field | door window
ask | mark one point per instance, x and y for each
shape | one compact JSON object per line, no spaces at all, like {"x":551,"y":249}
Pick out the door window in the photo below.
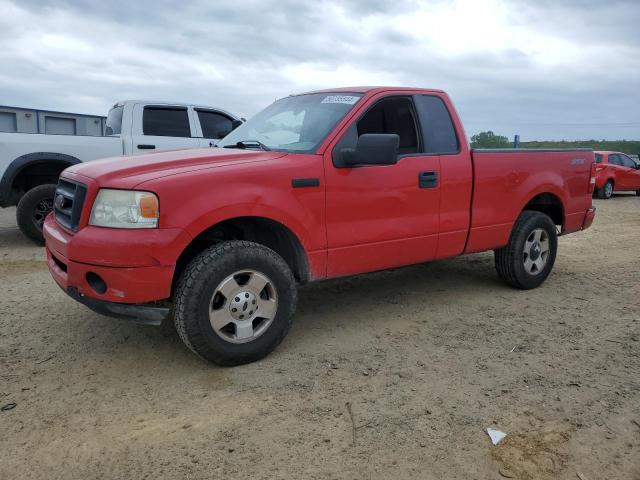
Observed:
{"x":166,"y":122}
{"x":626,"y":161}
{"x":438,"y":132}
{"x":214,"y":124}
{"x":393,"y":115}
{"x":614,"y":160}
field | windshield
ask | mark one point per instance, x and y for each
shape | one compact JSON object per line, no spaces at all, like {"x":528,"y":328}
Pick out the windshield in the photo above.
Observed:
{"x":293,"y":124}
{"x":113,"y":124}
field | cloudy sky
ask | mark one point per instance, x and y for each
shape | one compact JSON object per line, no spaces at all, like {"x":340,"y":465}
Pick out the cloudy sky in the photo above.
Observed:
{"x":546,"y":69}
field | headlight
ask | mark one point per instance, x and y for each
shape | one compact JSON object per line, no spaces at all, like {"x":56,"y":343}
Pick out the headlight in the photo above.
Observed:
{"x":125,"y":209}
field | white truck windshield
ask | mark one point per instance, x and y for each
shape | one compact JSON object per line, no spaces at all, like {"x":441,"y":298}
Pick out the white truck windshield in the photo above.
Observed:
{"x":113,"y":125}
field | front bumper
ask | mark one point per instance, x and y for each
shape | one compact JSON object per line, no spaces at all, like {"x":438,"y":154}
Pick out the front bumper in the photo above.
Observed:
{"x":115,"y":272}
{"x":144,"y":314}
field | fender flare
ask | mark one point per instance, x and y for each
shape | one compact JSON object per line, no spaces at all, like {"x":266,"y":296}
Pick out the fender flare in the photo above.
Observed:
{"x":301,"y":246}
{"x":17,"y":165}
{"x":558,"y":194}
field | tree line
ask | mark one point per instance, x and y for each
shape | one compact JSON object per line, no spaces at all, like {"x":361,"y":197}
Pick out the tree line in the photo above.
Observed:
{"x":492,"y":140}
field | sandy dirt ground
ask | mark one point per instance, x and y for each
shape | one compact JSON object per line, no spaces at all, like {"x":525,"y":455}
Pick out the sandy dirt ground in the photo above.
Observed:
{"x":391,"y":375}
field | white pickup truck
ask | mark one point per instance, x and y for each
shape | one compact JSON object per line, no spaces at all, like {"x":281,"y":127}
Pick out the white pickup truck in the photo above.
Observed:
{"x":30,"y":164}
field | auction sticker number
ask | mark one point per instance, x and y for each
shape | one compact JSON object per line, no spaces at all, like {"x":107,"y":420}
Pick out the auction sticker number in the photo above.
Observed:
{"x":347,"y":99}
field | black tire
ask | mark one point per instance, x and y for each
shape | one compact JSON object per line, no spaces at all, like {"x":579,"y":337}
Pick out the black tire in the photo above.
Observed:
{"x":32,"y":209}
{"x":606,"y":192}
{"x":637,"y":193}
{"x":197,"y":286}
{"x":510,"y":260}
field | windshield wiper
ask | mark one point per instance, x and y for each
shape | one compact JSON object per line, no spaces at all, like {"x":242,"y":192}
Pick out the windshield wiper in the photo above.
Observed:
{"x":248,"y":144}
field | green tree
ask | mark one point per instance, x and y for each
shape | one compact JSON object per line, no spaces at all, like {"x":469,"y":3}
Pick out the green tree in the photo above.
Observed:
{"x":489,"y":140}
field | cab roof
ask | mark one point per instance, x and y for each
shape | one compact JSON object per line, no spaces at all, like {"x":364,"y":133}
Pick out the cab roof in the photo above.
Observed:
{"x":371,"y":89}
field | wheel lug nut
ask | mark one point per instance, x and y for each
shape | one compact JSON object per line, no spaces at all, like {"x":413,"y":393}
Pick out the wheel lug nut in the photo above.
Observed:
{"x":237,"y":299}
{"x":234,"y":309}
{"x":246,"y":295}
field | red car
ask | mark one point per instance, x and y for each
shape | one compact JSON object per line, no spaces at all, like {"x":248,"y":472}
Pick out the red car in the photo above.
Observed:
{"x":315,"y":186}
{"x":616,"y":172}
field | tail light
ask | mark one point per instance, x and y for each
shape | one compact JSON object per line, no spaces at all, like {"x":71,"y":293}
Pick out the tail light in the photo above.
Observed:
{"x":592,"y":177}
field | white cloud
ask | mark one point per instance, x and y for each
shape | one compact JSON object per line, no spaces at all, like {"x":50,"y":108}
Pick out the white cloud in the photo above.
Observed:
{"x":537,"y":68}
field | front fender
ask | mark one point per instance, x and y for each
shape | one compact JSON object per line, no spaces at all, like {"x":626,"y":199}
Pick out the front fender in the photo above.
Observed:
{"x":196,"y":201}
{"x":269,"y":212}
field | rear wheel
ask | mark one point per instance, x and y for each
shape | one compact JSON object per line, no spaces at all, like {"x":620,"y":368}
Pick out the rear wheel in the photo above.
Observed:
{"x":606,"y":192}
{"x":529,"y":256}
{"x":637,"y":193}
{"x":33,"y":208}
{"x":234,"y":302}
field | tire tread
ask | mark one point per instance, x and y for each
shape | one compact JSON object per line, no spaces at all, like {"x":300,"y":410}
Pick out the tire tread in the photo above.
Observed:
{"x":23,"y":211}
{"x":508,"y":258}
{"x":184,"y":316}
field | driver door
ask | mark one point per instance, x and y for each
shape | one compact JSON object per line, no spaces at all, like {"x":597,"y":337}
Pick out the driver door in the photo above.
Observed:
{"x":381,"y":216}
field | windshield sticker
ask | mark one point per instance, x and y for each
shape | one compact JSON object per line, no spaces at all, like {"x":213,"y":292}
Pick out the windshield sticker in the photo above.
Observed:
{"x":347,"y":99}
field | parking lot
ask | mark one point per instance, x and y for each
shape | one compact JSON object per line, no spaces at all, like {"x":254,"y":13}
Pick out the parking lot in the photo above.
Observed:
{"x":397,"y":373}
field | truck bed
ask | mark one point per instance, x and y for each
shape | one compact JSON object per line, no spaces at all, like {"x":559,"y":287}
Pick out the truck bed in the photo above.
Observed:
{"x":86,"y":147}
{"x":506,"y":180}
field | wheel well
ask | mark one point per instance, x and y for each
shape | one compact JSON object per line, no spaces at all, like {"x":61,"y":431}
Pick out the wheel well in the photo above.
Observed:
{"x":36,"y":173}
{"x":548,"y":204}
{"x":264,"y":231}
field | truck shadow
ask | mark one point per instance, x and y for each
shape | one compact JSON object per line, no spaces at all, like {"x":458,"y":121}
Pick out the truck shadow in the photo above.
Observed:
{"x":320,"y":306}
{"x":11,"y":236}
{"x":407,"y":287}
{"x":617,"y":195}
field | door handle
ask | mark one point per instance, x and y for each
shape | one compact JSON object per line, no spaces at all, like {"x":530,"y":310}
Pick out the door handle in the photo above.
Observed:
{"x":146,"y":147}
{"x":428,"y":179}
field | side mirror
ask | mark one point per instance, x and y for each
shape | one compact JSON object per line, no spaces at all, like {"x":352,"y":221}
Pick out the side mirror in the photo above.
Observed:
{"x":373,"y":149}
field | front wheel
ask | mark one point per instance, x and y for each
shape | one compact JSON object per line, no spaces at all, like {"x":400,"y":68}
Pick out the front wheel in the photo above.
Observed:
{"x":33,"y":208}
{"x":529,"y":256}
{"x":234,"y":302}
{"x":637,"y":193}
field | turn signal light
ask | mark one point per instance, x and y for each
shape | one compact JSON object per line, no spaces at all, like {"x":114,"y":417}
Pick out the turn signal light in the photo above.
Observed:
{"x":149,"y":207}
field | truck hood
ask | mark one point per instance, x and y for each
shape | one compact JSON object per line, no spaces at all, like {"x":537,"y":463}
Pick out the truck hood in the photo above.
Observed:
{"x":129,"y":171}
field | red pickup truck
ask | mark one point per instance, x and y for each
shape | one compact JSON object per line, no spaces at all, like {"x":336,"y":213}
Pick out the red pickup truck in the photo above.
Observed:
{"x":319,"y":185}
